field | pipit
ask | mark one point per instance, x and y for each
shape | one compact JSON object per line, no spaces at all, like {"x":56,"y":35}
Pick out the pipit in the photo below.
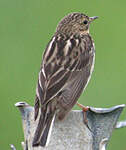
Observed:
{"x":66,"y":69}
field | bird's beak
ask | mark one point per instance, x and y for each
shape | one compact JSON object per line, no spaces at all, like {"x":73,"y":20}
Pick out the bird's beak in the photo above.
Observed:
{"x":92,"y":18}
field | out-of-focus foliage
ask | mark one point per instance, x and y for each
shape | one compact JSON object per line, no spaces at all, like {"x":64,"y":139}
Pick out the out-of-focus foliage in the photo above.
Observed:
{"x":25,"y":29}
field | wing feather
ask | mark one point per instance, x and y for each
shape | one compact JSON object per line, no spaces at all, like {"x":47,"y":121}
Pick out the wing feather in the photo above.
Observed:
{"x":58,"y":64}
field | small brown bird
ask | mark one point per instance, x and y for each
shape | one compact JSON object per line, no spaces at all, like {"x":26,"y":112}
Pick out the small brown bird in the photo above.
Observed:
{"x":66,"y":68}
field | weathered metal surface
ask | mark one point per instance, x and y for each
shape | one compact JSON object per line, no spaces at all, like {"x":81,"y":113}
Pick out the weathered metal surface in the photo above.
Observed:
{"x":72,"y":133}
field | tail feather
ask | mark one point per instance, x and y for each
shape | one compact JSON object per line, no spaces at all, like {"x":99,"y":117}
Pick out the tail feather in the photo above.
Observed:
{"x":36,"y":107}
{"x":38,"y":132}
{"x":44,"y":140}
{"x":43,"y":131}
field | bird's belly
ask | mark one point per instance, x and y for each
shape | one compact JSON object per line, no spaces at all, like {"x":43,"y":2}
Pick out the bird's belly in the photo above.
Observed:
{"x":91,"y":70}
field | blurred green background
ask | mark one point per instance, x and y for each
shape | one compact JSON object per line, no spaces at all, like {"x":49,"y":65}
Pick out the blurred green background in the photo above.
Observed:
{"x":25,"y":29}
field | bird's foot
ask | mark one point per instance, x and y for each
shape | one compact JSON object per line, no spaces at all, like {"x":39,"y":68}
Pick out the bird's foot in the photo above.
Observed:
{"x":85,"y":109}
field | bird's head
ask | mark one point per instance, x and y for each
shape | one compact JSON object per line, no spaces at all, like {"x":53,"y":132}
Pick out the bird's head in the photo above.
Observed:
{"x":75,"y":23}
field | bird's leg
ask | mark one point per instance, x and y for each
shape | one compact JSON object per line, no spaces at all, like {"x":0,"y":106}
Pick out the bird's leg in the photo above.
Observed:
{"x":85,"y":109}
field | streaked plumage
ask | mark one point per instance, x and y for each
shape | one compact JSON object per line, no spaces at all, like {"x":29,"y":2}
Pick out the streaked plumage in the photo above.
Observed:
{"x":66,"y":68}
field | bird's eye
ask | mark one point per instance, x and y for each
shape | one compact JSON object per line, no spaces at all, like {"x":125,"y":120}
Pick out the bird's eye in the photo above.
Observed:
{"x":85,"y":22}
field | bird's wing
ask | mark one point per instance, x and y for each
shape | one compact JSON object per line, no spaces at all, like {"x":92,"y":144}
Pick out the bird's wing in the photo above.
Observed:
{"x":62,"y":57}
{"x":79,"y":78}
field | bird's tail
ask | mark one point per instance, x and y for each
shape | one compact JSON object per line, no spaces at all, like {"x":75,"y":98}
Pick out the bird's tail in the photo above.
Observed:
{"x":43,"y":131}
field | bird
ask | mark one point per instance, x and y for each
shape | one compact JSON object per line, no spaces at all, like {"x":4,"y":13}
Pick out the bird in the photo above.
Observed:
{"x":66,"y":68}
